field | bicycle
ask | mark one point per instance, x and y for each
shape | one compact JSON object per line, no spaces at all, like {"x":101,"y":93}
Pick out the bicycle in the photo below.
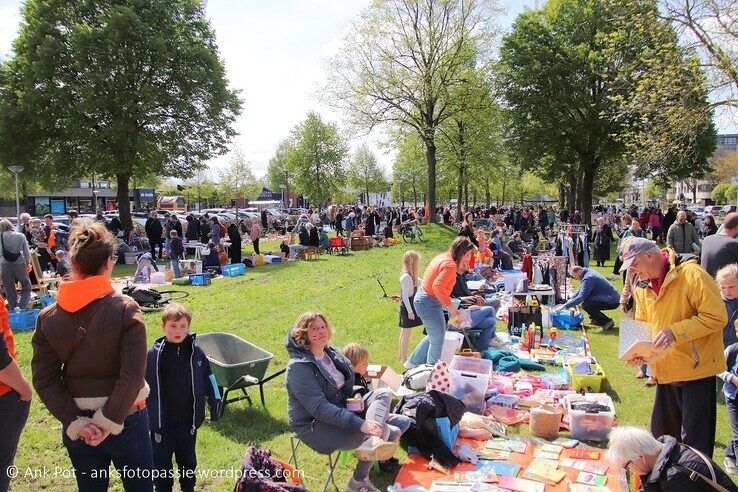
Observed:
{"x":410,"y":232}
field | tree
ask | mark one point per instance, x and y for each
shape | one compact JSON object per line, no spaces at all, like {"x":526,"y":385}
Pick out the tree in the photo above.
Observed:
{"x":711,"y":26}
{"x":400,"y":61}
{"x":280,"y":172}
{"x":365,"y":174}
{"x":125,"y":88}
{"x":318,"y":159}
{"x":238,"y":180}
{"x":409,"y":178}
{"x":576,"y":77}
{"x":725,"y":167}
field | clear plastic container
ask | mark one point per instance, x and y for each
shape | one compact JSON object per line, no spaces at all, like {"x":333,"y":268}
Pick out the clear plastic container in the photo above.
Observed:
{"x":452,"y":342}
{"x":590,"y":426}
{"x":469,"y":380}
{"x":470,"y":364}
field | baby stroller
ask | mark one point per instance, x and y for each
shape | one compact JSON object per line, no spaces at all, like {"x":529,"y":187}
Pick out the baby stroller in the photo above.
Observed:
{"x":338,"y":245}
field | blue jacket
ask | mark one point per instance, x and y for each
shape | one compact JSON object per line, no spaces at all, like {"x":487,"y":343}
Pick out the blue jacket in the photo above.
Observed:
{"x":312,"y":394}
{"x":594,"y":287}
{"x":204,"y":385}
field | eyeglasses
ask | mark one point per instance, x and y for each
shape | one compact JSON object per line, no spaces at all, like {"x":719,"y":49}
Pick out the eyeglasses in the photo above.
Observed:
{"x":114,"y":258}
{"x":627,"y":464}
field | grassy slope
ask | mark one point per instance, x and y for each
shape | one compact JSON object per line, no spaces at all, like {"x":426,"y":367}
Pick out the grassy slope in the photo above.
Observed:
{"x":259,"y":307}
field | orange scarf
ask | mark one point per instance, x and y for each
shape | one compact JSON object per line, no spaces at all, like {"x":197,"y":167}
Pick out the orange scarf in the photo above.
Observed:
{"x":76,"y":294}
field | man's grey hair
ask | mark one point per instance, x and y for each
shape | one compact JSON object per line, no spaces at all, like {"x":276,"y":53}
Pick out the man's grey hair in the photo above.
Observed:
{"x":25,"y":217}
{"x":627,"y":443}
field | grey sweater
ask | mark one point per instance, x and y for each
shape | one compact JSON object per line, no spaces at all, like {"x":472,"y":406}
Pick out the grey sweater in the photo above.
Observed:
{"x":15,"y":242}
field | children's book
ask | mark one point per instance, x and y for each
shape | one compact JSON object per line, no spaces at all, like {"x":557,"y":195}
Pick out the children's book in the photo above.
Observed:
{"x":507,"y":445}
{"x":486,"y":476}
{"x":591,"y":479}
{"x":539,"y":453}
{"x":446,"y":486}
{"x":501,"y":468}
{"x":566,"y":443}
{"x":521,"y":485}
{"x":492,"y":454}
{"x":645,"y":351}
{"x":586,"y":466}
{"x":551,"y":448}
{"x":579,"y":487}
{"x":584,"y":454}
{"x":543,"y":471}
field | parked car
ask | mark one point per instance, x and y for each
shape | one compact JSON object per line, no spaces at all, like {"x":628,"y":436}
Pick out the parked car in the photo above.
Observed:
{"x":712,"y":209}
{"x":697,"y":210}
{"x":727,"y":209}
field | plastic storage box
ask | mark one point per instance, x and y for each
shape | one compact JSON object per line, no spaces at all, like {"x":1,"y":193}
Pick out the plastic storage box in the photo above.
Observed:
{"x":24,"y":319}
{"x":452,"y":342}
{"x":233,"y":269}
{"x":593,"y":382}
{"x":589,"y":425}
{"x":469,"y":380}
{"x":199,"y":279}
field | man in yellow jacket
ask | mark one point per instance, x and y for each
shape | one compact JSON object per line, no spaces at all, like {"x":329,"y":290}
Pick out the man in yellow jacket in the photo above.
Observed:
{"x":682,"y":304}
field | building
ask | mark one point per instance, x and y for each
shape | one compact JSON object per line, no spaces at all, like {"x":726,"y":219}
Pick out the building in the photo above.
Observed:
{"x":684,"y":190}
{"x":86,"y":197}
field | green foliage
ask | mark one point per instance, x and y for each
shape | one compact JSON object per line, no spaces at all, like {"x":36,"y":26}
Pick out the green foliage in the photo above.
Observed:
{"x":721,"y":192}
{"x":238,"y":180}
{"x":318,"y":159}
{"x":591,"y":83}
{"x":400,"y":62}
{"x":280,"y":172}
{"x":365,"y":174}
{"x":129,"y":89}
{"x":409,"y":172}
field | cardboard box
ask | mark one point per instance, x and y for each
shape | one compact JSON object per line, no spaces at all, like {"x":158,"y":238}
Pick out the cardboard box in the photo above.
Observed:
{"x":383,"y":377}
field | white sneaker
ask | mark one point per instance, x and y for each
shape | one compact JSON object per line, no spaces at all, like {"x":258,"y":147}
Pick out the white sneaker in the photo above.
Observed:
{"x":361,"y":486}
{"x":375,"y":449}
{"x":408,"y":365}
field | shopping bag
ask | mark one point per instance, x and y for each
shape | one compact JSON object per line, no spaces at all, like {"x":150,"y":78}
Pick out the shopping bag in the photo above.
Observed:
{"x":523,"y":316}
{"x":439,"y":379}
{"x":567,"y":321}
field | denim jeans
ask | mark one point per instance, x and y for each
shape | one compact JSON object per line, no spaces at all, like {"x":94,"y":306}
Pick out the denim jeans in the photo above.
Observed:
{"x":175,"y":267}
{"x":732,"y":448}
{"x":430,"y":311}
{"x":13,"y":416}
{"x":175,"y":438}
{"x":130,"y":452}
{"x":483,"y":319}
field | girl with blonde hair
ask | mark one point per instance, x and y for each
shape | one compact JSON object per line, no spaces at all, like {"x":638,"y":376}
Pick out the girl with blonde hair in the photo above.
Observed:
{"x":408,"y":288}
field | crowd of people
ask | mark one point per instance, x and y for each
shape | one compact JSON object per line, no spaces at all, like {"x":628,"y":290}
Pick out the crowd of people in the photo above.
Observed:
{"x":120,"y":402}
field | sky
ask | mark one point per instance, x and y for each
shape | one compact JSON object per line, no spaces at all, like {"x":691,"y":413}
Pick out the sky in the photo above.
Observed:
{"x":275,"y":52}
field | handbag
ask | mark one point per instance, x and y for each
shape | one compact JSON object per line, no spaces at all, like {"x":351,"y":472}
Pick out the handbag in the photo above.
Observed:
{"x":694,"y":475}
{"x":9,"y":257}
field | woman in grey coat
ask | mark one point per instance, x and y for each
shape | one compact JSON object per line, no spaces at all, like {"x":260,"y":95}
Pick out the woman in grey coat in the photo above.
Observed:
{"x":14,"y":261}
{"x":319,"y":379}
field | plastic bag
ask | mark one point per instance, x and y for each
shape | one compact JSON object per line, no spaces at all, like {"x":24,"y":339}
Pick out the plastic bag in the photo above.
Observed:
{"x":567,"y":321}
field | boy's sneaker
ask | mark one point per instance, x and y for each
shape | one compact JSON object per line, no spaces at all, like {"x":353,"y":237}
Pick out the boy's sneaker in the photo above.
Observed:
{"x":375,"y":449}
{"x":408,"y":365}
{"x":730,"y":466}
{"x":361,"y":486}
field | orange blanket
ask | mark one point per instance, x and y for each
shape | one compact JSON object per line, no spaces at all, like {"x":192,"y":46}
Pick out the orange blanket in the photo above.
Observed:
{"x":415,"y":472}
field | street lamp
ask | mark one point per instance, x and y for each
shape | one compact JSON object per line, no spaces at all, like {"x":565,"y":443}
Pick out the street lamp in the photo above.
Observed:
{"x":16,"y":170}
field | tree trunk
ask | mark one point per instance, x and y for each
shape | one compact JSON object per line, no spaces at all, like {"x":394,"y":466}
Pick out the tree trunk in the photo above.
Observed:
{"x":562,"y":196}
{"x":415,"y":194}
{"x":504,"y":188}
{"x":571,"y":196}
{"x":124,"y":202}
{"x":466,"y":196}
{"x":586,"y":192}
{"x":486,"y":193}
{"x":459,"y":192}
{"x":430,"y":157}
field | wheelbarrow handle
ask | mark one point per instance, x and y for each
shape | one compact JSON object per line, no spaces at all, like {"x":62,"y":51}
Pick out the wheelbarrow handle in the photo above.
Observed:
{"x":251,"y":380}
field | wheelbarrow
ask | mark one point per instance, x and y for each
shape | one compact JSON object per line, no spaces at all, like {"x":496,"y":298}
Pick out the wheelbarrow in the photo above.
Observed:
{"x":237,"y":365}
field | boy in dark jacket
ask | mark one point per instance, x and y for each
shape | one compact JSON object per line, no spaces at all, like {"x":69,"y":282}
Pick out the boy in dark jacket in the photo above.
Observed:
{"x":176,"y":251}
{"x":179,"y":375}
{"x":730,"y":388}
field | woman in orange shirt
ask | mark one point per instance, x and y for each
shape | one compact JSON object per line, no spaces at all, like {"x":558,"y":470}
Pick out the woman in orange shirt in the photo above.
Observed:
{"x":433,"y":296}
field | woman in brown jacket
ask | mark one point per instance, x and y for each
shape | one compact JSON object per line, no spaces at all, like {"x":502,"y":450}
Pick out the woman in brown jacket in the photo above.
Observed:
{"x":89,"y":361}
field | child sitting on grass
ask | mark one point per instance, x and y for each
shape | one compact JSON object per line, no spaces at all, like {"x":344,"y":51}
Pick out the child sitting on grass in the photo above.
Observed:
{"x":730,"y":388}
{"x":359,"y":358}
{"x":180,"y":379}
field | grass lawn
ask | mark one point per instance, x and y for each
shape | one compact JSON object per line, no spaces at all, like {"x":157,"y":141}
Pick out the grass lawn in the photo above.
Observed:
{"x":260,"y":307}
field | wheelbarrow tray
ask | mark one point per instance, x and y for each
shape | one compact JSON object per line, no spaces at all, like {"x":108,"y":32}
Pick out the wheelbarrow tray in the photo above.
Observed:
{"x":236,"y":364}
